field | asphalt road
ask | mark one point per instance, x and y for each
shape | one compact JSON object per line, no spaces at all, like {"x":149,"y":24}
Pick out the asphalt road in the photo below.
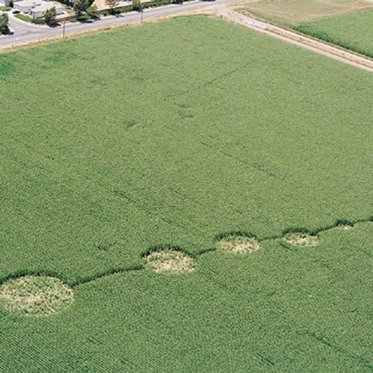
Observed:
{"x":27,"y":32}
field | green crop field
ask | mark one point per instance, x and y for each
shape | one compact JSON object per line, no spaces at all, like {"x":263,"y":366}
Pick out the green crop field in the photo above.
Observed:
{"x":352,"y":31}
{"x":194,"y":147}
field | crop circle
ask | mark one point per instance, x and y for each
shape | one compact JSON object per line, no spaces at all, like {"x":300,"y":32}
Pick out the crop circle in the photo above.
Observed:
{"x":35,"y":295}
{"x":345,"y":225}
{"x":169,"y":261}
{"x":239,"y":244}
{"x":301,"y":239}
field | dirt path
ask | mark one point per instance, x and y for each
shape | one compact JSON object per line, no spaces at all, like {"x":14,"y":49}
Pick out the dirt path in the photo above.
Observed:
{"x":297,"y":39}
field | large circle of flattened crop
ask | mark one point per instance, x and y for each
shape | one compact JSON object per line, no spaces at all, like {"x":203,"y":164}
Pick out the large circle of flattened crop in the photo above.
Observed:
{"x":171,"y":261}
{"x":239,"y":244}
{"x":35,"y":295}
{"x":301,"y":239}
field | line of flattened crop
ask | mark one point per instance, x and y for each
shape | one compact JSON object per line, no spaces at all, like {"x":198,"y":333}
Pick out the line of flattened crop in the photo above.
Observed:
{"x":44,"y":292}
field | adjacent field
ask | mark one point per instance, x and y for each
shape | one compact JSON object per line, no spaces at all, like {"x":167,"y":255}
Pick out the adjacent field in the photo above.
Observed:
{"x":295,"y":11}
{"x":171,"y":136}
{"x":352,"y":31}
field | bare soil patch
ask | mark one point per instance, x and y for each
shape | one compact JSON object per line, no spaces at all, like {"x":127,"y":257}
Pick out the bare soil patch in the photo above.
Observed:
{"x":239,"y":244}
{"x":169,"y":261}
{"x":35,"y":295}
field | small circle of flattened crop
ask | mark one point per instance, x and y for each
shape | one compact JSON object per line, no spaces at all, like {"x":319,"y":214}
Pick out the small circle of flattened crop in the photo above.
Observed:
{"x":35,"y":295}
{"x":301,"y":239}
{"x":345,"y":226}
{"x":238,"y":244}
{"x":171,"y":261}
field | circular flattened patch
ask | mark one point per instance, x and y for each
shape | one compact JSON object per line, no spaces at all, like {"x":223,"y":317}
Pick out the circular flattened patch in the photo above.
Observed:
{"x":345,"y":226}
{"x":35,"y":295}
{"x":169,"y":261}
{"x":301,"y":239}
{"x":239,"y":244}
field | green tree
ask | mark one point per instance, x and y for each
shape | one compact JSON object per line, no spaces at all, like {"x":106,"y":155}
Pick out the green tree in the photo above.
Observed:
{"x":112,"y":4}
{"x":50,"y":16}
{"x":4,"y":24}
{"x":80,"y":6}
{"x":93,"y":12}
{"x":137,"y":5}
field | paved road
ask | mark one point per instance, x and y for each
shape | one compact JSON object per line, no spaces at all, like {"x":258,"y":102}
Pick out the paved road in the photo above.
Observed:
{"x":26,"y":32}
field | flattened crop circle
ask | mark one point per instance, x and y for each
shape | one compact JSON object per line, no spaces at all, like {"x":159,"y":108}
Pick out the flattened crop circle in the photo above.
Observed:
{"x":171,"y":261}
{"x":35,"y":295}
{"x":345,"y":226}
{"x":239,"y":244}
{"x":301,"y":239}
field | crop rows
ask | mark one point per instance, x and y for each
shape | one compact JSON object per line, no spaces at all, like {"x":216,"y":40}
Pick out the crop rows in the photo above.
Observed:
{"x":163,"y":146}
{"x":352,"y":31}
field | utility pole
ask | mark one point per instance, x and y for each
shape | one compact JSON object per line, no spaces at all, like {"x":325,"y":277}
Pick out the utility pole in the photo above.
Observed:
{"x":63,"y":29}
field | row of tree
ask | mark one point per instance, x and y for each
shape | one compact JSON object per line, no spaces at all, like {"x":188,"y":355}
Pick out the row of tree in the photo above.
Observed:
{"x":136,"y":4}
{"x":84,"y":7}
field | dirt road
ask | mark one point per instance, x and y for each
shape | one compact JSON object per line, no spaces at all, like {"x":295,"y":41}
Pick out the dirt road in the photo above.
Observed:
{"x":295,"y":38}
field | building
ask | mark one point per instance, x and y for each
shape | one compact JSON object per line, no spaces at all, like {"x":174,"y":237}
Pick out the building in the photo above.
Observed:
{"x":37,"y":8}
{"x":25,"y":6}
